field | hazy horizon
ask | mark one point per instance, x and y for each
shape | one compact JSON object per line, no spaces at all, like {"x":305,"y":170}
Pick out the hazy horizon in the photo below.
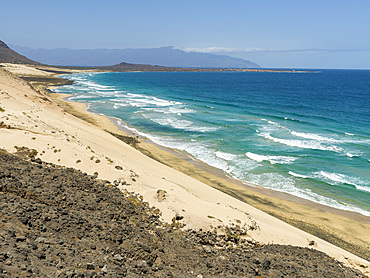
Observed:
{"x":273,"y":34}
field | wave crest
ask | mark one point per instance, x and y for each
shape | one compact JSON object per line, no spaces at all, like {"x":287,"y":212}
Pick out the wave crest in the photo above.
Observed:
{"x":270,"y":158}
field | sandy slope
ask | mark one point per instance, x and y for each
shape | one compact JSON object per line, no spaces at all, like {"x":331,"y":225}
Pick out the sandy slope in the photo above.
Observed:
{"x":32,"y":120}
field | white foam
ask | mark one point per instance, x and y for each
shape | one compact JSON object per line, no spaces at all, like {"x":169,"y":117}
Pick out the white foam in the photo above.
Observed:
{"x":363,"y":188}
{"x":336,"y":178}
{"x":279,"y":183}
{"x":177,"y":123}
{"x":297,"y":175}
{"x":270,"y":158}
{"x":200,"y":151}
{"x":221,"y":160}
{"x":274,"y":181}
{"x":226,"y":156}
{"x":118,"y":105}
{"x":170,"y":110}
{"x":304,"y":144}
{"x":271,"y":127}
{"x":80,"y":97}
{"x":291,"y":119}
{"x":275,"y":124}
{"x":327,"y":139}
{"x":271,"y":122}
{"x":240,"y":167}
{"x":353,"y":154}
{"x":96,"y":86}
{"x":136,"y":95}
{"x":312,"y":136}
{"x":150,"y":102}
{"x":357,"y":141}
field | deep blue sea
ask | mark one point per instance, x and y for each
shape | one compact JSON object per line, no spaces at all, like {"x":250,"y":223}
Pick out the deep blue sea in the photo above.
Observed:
{"x":307,"y":134}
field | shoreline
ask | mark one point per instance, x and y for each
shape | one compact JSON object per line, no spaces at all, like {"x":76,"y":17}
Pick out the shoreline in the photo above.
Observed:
{"x":221,"y":174}
{"x":121,"y":125}
{"x":75,"y":141}
{"x":298,"y":196}
{"x":296,"y":211}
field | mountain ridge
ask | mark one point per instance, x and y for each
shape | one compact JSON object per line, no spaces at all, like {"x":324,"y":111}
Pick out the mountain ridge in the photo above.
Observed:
{"x":163,"y":56}
{"x":8,"y":55}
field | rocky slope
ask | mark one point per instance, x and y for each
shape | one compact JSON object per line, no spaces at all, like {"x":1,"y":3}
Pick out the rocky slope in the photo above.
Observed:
{"x":8,"y":55}
{"x":60,"y":222}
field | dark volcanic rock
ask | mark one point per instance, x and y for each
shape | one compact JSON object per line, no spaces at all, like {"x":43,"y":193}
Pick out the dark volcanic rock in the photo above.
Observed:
{"x":60,"y":222}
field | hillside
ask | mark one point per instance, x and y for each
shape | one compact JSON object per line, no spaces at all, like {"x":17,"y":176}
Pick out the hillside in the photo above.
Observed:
{"x":8,"y":55}
{"x":60,"y":222}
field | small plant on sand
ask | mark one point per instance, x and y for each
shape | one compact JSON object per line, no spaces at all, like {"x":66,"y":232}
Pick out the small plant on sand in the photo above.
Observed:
{"x":212,"y":217}
{"x":32,"y":153}
{"x":1,"y":109}
{"x":157,"y":211}
{"x":130,"y":140}
{"x":134,"y":201}
{"x":3,"y":125}
{"x":24,"y":151}
{"x":176,"y":223}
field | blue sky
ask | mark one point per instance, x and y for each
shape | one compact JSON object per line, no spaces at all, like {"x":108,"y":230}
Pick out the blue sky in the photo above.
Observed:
{"x":272,"y":33}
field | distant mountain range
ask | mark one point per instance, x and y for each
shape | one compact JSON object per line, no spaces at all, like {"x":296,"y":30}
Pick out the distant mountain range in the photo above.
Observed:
{"x":163,"y":56}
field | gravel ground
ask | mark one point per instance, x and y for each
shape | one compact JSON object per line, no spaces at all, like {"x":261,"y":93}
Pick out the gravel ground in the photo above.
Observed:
{"x":60,"y":222}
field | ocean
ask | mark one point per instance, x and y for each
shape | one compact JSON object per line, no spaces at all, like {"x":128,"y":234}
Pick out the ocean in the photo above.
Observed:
{"x":302,"y":133}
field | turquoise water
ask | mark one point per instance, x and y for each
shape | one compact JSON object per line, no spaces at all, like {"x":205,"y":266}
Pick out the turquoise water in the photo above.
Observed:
{"x":307,"y":134}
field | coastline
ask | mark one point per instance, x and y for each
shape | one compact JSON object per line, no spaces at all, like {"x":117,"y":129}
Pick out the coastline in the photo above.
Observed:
{"x":331,"y":227}
{"x":301,"y":213}
{"x":218,"y":173}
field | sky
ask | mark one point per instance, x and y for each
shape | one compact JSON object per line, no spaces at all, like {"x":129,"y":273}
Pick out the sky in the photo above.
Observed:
{"x":271,"y":33}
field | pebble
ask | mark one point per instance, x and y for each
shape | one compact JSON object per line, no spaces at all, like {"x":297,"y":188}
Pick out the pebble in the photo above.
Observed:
{"x":118,"y":257}
{"x":104,"y":269}
{"x":90,"y":266}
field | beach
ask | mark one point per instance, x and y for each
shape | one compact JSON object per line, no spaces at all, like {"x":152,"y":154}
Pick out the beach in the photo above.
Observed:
{"x":174,"y":185}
